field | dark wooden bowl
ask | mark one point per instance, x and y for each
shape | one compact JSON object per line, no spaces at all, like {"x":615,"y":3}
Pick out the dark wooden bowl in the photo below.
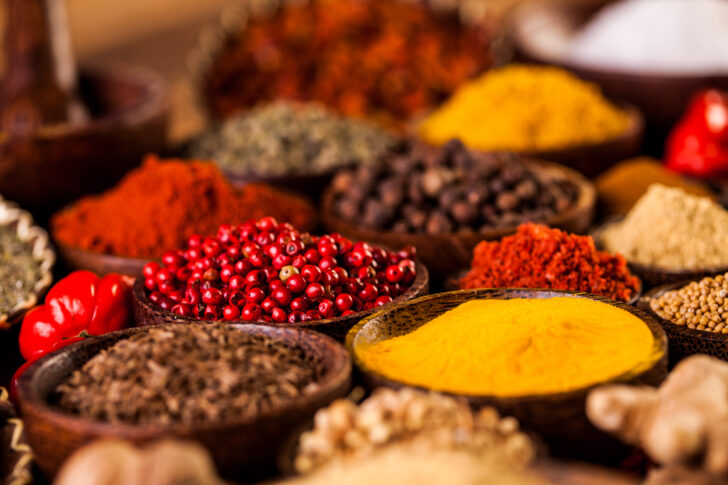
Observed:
{"x":684,"y":341}
{"x":312,"y":185}
{"x":100,"y":263}
{"x":591,"y":160}
{"x":60,"y":163}
{"x":240,"y":448}
{"x":445,"y":253}
{"x":147,"y":313}
{"x":661,"y":97}
{"x":559,"y":419}
{"x":653,"y":276}
{"x":21,"y":222}
{"x":453,"y":284}
{"x":16,"y":457}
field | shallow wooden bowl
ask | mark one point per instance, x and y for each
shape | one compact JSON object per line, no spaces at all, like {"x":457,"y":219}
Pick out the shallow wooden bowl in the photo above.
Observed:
{"x":559,"y":419}
{"x":240,"y":448}
{"x":100,"y":263}
{"x":445,"y":253}
{"x":661,"y":97}
{"x":16,"y":457}
{"x":147,"y":313}
{"x":60,"y":163}
{"x":653,"y":276}
{"x":684,"y":341}
{"x":312,"y":185}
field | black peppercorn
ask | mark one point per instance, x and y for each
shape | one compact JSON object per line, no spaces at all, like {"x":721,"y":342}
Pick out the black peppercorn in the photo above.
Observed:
{"x":423,"y":189}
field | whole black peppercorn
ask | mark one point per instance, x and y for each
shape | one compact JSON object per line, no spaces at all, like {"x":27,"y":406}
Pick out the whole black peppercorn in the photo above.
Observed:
{"x":438,"y":223}
{"x":506,"y":201}
{"x":463,"y":212}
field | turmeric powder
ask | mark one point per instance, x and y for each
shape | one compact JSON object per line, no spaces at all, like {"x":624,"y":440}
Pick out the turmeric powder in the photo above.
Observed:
{"x":515,"y":347}
{"x":526,"y":108}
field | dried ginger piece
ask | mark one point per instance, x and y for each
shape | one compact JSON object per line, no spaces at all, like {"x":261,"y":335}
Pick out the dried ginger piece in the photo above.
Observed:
{"x":684,"y":423}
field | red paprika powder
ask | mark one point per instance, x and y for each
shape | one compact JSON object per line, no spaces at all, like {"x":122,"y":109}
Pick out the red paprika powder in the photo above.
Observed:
{"x":540,"y":257}
{"x":163,"y":202}
{"x":384,"y":59}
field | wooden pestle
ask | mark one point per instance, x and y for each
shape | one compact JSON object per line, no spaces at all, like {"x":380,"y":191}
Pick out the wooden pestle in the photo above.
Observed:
{"x":40,"y":80}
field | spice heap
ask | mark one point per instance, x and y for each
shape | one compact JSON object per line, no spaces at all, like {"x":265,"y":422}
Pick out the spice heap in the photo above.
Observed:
{"x":344,"y":429}
{"x":702,"y":305}
{"x":540,"y":257}
{"x":162,"y":203}
{"x":647,"y":36}
{"x":270,"y":272}
{"x":621,"y":186}
{"x":421,"y":189}
{"x":282,"y":138}
{"x":387,"y":60}
{"x":526,"y":108}
{"x":671,"y":229}
{"x":187,"y":374}
{"x":517,"y":347}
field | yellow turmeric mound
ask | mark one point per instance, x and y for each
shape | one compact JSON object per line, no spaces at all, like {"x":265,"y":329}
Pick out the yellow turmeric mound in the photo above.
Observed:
{"x":526,"y":108}
{"x":515,"y":347}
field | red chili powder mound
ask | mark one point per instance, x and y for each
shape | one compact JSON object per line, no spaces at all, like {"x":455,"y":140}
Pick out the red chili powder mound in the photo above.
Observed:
{"x":540,"y":257}
{"x":160,"y":204}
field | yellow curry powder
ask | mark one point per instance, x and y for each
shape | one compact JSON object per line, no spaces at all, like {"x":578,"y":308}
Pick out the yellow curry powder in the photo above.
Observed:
{"x":515,"y":347}
{"x":526,"y":108}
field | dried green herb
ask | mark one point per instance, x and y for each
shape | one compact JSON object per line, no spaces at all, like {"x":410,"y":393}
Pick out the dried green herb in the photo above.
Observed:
{"x":282,"y":138}
{"x":20,"y":270}
{"x":188,"y":374}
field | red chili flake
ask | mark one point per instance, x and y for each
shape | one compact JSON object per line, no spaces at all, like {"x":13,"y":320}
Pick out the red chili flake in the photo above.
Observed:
{"x":538,"y":256}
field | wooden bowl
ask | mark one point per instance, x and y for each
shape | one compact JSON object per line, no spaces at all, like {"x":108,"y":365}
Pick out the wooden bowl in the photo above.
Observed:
{"x":653,"y":276}
{"x":684,"y":341}
{"x":22,"y":223}
{"x":559,"y":418}
{"x":661,"y":97}
{"x":16,"y":457}
{"x":445,"y":253}
{"x":60,"y":163}
{"x":240,"y":448}
{"x":312,"y":185}
{"x":593,"y":159}
{"x":100,"y":263}
{"x":453,"y":284}
{"x":147,"y":313}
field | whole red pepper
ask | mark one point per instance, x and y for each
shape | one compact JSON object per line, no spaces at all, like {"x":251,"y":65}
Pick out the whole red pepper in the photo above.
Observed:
{"x":78,"y":305}
{"x":698,"y":145}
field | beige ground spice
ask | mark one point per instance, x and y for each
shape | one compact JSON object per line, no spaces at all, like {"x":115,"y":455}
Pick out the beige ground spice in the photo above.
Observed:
{"x":671,"y":229}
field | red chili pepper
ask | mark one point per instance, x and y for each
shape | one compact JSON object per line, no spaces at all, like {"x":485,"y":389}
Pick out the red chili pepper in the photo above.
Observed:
{"x":698,"y":145}
{"x":80,"y":304}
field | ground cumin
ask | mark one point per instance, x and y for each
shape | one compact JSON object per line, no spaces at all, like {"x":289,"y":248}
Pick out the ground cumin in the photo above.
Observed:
{"x":159,"y":205}
{"x":515,"y":347}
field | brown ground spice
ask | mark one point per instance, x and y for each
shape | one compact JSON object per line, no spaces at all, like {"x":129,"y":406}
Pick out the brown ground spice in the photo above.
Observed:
{"x":159,"y":205}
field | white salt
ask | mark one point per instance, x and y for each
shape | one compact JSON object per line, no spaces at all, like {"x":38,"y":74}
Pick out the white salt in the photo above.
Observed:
{"x":656,"y":36}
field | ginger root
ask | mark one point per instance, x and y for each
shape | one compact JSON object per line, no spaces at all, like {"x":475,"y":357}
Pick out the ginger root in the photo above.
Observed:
{"x":683,"y":423}
{"x":116,"y":462}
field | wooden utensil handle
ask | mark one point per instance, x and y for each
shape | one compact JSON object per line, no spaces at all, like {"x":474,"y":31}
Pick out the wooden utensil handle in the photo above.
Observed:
{"x":40,"y":76}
